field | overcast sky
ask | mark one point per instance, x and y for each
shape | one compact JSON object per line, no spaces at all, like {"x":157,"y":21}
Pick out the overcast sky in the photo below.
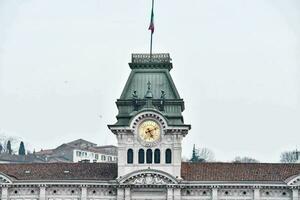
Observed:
{"x":63,"y":64}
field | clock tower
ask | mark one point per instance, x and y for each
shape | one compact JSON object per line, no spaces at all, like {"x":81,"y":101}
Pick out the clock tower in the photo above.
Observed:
{"x":150,"y":125}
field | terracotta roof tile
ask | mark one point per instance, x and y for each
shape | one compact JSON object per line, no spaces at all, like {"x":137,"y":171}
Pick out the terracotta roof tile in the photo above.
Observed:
{"x":238,"y":171}
{"x":190,"y":171}
{"x":57,"y":171}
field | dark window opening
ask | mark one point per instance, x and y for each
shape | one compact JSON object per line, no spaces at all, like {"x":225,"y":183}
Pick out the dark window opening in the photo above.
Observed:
{"x":149,"y":156}
{"x":168,"y":156}
{"x":141,"y":156}
{"x":157,"y":156}
{"x":130,"y":156}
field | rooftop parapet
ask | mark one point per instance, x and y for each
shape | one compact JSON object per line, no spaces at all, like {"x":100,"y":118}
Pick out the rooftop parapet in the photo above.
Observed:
{"x":153,"y":58}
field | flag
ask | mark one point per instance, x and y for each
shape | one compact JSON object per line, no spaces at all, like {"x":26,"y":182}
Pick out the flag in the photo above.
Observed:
{"x":151,"y":26}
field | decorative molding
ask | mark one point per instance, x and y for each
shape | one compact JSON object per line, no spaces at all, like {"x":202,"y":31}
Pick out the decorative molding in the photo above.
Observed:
{"x":148,"y":177}
{"x":4,"y":179}
{"x":153,"y":58}
{"x":293,"y":181}
{"x":148,"y":115}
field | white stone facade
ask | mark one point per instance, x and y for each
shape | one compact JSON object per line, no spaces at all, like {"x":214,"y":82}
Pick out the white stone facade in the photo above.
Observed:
{"x":97,"y":191}
{"x":171,"y":138}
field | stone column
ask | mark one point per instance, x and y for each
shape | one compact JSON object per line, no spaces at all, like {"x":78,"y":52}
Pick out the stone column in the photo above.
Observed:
{"x":42,"y":195}
{"x":83,"y":192}
{"x":295,"y":194}
{"x":214,"y":193}
{"x":4,"y":195}
{"x":256,"y":193}
{"x":120,"y":194}
{"x":177,"y":194}
{"x":127,"y":194}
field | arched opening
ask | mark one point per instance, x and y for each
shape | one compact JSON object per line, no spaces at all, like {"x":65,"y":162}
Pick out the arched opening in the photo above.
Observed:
{"x":157,"y":156}
{"x":168,"y":156}
{"x":141,"y":156}
{"x":149,"y":156}
{"x":129,"y":156}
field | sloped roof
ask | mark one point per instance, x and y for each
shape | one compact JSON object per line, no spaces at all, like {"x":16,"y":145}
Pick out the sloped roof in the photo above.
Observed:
{"x":80,"y":142}
{"x":206,"y":172}
{"x":61,"y":171}
{"x":95,"y":149}
{"x":160,"y":79}
{"x":150,"y":74}
{"x":29,"y":158}
{"x":271,"y":172}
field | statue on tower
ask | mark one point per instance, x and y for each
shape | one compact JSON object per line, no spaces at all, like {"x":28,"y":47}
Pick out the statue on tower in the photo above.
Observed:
{"x":162,"y":101}
{"x":149,"y":92}
{"x":135,"y":100}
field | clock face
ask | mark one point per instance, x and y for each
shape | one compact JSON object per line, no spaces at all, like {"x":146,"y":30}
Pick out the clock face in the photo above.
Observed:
{"x":149,"y":131}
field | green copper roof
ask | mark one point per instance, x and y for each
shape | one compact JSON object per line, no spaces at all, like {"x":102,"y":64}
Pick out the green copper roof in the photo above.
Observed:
{"x":150,"y":86}
{"x":160,"y":80}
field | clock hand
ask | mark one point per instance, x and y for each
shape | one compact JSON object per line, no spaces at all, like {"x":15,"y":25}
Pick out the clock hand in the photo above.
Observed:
{"x":148,"y":131}
{"x":151,"y":132}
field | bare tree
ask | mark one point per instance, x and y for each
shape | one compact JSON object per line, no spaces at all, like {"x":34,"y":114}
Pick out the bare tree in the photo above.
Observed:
{"x":289,"y":156}
{"x":202,"y":155}
{"x":244,"y":159}
{"x":206,"y":154}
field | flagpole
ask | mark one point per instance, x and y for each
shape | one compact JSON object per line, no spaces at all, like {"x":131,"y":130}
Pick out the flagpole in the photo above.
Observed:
{"x":151,"y":31}
{"x":151,"y":45}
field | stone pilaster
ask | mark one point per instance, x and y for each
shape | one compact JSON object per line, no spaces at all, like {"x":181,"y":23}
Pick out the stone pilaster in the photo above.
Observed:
{"x":169,"y":193}
{"x":83,"y":192}
{"x":120,"y":194}
{"x":4,"y":195}
{"x":256,"y":194}
{"x":295,"y":194}
{"x":42,"y":195}
{"x":127,"y":194}
{"x":177,"y":193}
{"x":214,"y":193}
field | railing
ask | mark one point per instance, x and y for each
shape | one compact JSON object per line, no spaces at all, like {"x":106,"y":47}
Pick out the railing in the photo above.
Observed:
{"x":153,"y":58}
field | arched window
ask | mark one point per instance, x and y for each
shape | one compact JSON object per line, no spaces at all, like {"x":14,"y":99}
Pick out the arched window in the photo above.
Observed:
{"x":157,"y":156}
{"x":141,"y":156}
{"x":129,"y":156}
{"x":168,"y":156}
{"x":149,"y":156}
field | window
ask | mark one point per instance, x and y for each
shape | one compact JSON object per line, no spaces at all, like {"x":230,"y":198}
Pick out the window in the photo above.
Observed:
{"x":149,"y":156}
{"x":157,"y":156}
{"x":103,"y":158}
{"x":168,"y":156}
{"x":96,"y":156}
{"x":109,"y":158}
{"x":141,"y":156}
{"x":130,"y":156}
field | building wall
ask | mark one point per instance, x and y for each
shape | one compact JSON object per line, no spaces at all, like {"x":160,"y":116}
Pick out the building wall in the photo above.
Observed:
{"x":126,"y":142}
{"x":79,"y":155}
{"x":112,"y":192}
